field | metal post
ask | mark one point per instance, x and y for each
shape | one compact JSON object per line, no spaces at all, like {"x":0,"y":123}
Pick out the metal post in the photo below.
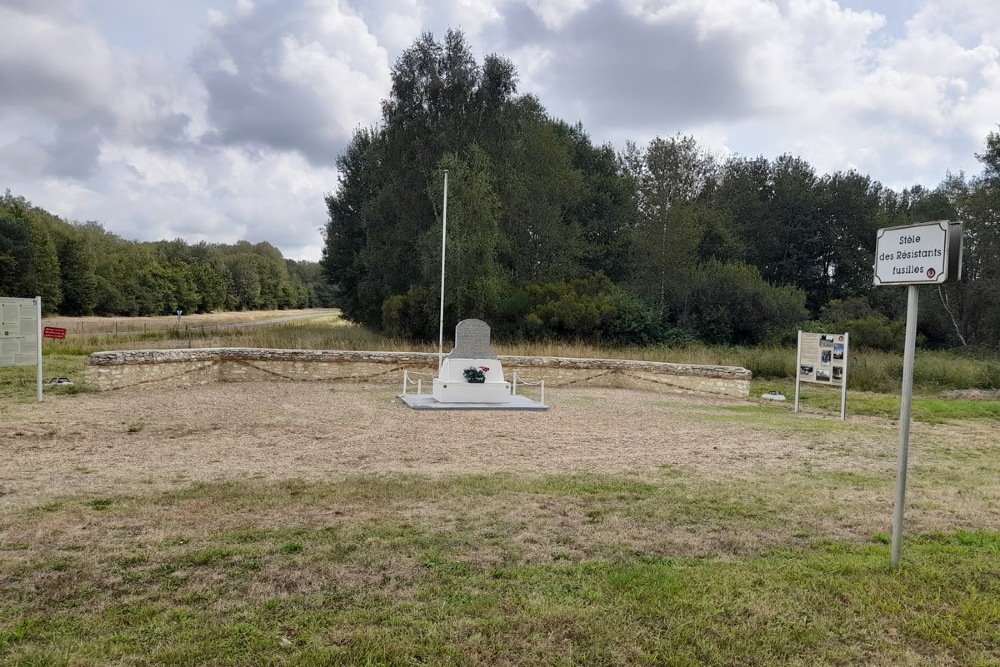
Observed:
{"x":843,"y":378}
{"x":909,"y":354}
{"x":444,"y":236}
{"x":798,"y":360}
{"x":513,"y":378}
{"x":406,"y":380}
{"x":38,"y":333}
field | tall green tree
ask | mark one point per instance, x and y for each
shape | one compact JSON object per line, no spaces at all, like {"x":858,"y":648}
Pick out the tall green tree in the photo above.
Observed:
{"x":28,"y":257}
{"x":672,"y":178}
{"x":605,"y":212}
{"x":441,"y":102}
{"x":16,"y":255}
{"x":973,"y":305}
{"x":475,"y":281}
{"x":539,"y":188}
{"x":77,"y":271}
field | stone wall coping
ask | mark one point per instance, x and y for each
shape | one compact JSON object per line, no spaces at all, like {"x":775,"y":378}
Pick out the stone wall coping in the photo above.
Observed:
{"x":129,"y":357}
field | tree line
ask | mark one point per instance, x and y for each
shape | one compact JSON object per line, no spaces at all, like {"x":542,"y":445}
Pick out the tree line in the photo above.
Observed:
{"x":551,"y":236}
{"x":82,"y":269}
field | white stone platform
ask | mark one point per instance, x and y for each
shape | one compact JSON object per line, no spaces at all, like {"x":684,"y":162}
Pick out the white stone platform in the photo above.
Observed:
{"x":428,"y":402}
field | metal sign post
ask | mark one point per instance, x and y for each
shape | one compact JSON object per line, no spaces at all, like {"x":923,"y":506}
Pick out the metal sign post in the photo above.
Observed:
{"x":798,"y":372}
{"x":843,"y":384}
{"x":909,"y":358}
{"x":444,"y":237}
{"x":912,"y":255}
{"x":38,"y":337}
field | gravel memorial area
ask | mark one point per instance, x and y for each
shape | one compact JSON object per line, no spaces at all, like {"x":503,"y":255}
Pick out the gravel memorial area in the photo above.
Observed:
{"x":129,"y":440}
{"x":146,"y":440}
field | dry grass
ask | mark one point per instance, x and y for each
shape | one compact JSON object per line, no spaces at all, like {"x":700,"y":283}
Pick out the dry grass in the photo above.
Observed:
{"x":137,"y":442}
{"x":302,"y":523}
{"x":120,"y":325}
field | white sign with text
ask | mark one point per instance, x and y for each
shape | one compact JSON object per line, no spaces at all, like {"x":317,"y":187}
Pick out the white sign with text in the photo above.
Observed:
{"x":914,"y":254}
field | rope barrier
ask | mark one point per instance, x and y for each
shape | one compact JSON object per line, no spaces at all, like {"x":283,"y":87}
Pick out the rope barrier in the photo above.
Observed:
{"x":528,"y":383}
{"x":407,"y":381}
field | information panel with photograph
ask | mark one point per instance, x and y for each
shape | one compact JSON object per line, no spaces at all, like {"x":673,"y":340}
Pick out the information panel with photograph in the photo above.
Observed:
{"x":822,"y":359}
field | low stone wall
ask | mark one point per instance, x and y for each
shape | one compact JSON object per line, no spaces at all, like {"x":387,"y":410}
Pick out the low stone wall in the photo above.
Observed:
{"x":116,"y":370}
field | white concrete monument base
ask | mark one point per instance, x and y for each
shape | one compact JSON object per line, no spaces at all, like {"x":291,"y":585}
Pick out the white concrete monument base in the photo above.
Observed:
{"x":451,"y":386}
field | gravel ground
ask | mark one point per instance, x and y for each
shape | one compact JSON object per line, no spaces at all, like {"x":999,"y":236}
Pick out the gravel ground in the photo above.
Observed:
{"x":147,"y":440}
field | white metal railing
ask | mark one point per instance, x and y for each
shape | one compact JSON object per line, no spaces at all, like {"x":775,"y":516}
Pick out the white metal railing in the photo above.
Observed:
{"x":515,"y":380}
{"x":409,"y":382}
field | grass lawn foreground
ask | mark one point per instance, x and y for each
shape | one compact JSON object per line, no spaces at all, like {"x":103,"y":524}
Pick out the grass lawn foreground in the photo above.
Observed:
{"x":779,"y":557}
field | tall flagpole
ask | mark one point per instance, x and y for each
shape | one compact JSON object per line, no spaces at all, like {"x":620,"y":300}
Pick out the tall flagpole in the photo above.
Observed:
{"x":444,"y":235}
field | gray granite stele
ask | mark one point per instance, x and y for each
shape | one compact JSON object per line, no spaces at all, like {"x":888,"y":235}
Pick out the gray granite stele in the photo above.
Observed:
{"x":453,"y":390}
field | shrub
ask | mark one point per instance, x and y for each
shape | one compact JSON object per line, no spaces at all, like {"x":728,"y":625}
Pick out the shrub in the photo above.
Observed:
{"x":590,"y":309}
{"x":877,"y":332}
{"x":769,"y":362}
{"x":733,"y":304}
{"x":409,"y":316}
{"x":990,"y":377}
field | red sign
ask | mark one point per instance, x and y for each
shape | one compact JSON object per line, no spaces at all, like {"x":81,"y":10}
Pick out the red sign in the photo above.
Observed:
{"x":53,"y":332}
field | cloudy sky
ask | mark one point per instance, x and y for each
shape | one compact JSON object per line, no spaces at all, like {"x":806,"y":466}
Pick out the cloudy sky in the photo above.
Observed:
{"x":221,"y":120}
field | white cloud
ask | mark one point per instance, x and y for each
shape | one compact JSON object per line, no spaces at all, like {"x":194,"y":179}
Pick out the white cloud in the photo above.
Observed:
{"x":555,"y":13}
{"x":829,"y":83}
{"x":398,"y":27}
{"x":239,"y":139}
{"x":299,"y":76}
{"x":61,"y":69}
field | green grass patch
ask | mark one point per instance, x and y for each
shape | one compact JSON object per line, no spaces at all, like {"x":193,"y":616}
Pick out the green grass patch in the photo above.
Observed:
{"x":20,"y":383}
{"x":926,"y":408}
{"x":486,"y":571}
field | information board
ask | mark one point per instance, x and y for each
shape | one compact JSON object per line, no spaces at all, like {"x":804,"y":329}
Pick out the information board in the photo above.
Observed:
{"x":18,"y":332}
{"x":822,"y":358}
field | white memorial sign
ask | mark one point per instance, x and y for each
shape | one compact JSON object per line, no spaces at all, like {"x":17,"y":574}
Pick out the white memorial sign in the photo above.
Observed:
{"x":472,"y":373}
{"x":915,"y":254}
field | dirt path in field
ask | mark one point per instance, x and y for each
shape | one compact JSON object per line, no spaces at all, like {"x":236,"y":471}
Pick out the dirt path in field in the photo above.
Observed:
{"x":136,"y":441}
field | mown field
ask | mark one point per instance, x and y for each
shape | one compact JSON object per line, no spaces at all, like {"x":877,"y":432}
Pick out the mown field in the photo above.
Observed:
{"x":617,"y":529}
